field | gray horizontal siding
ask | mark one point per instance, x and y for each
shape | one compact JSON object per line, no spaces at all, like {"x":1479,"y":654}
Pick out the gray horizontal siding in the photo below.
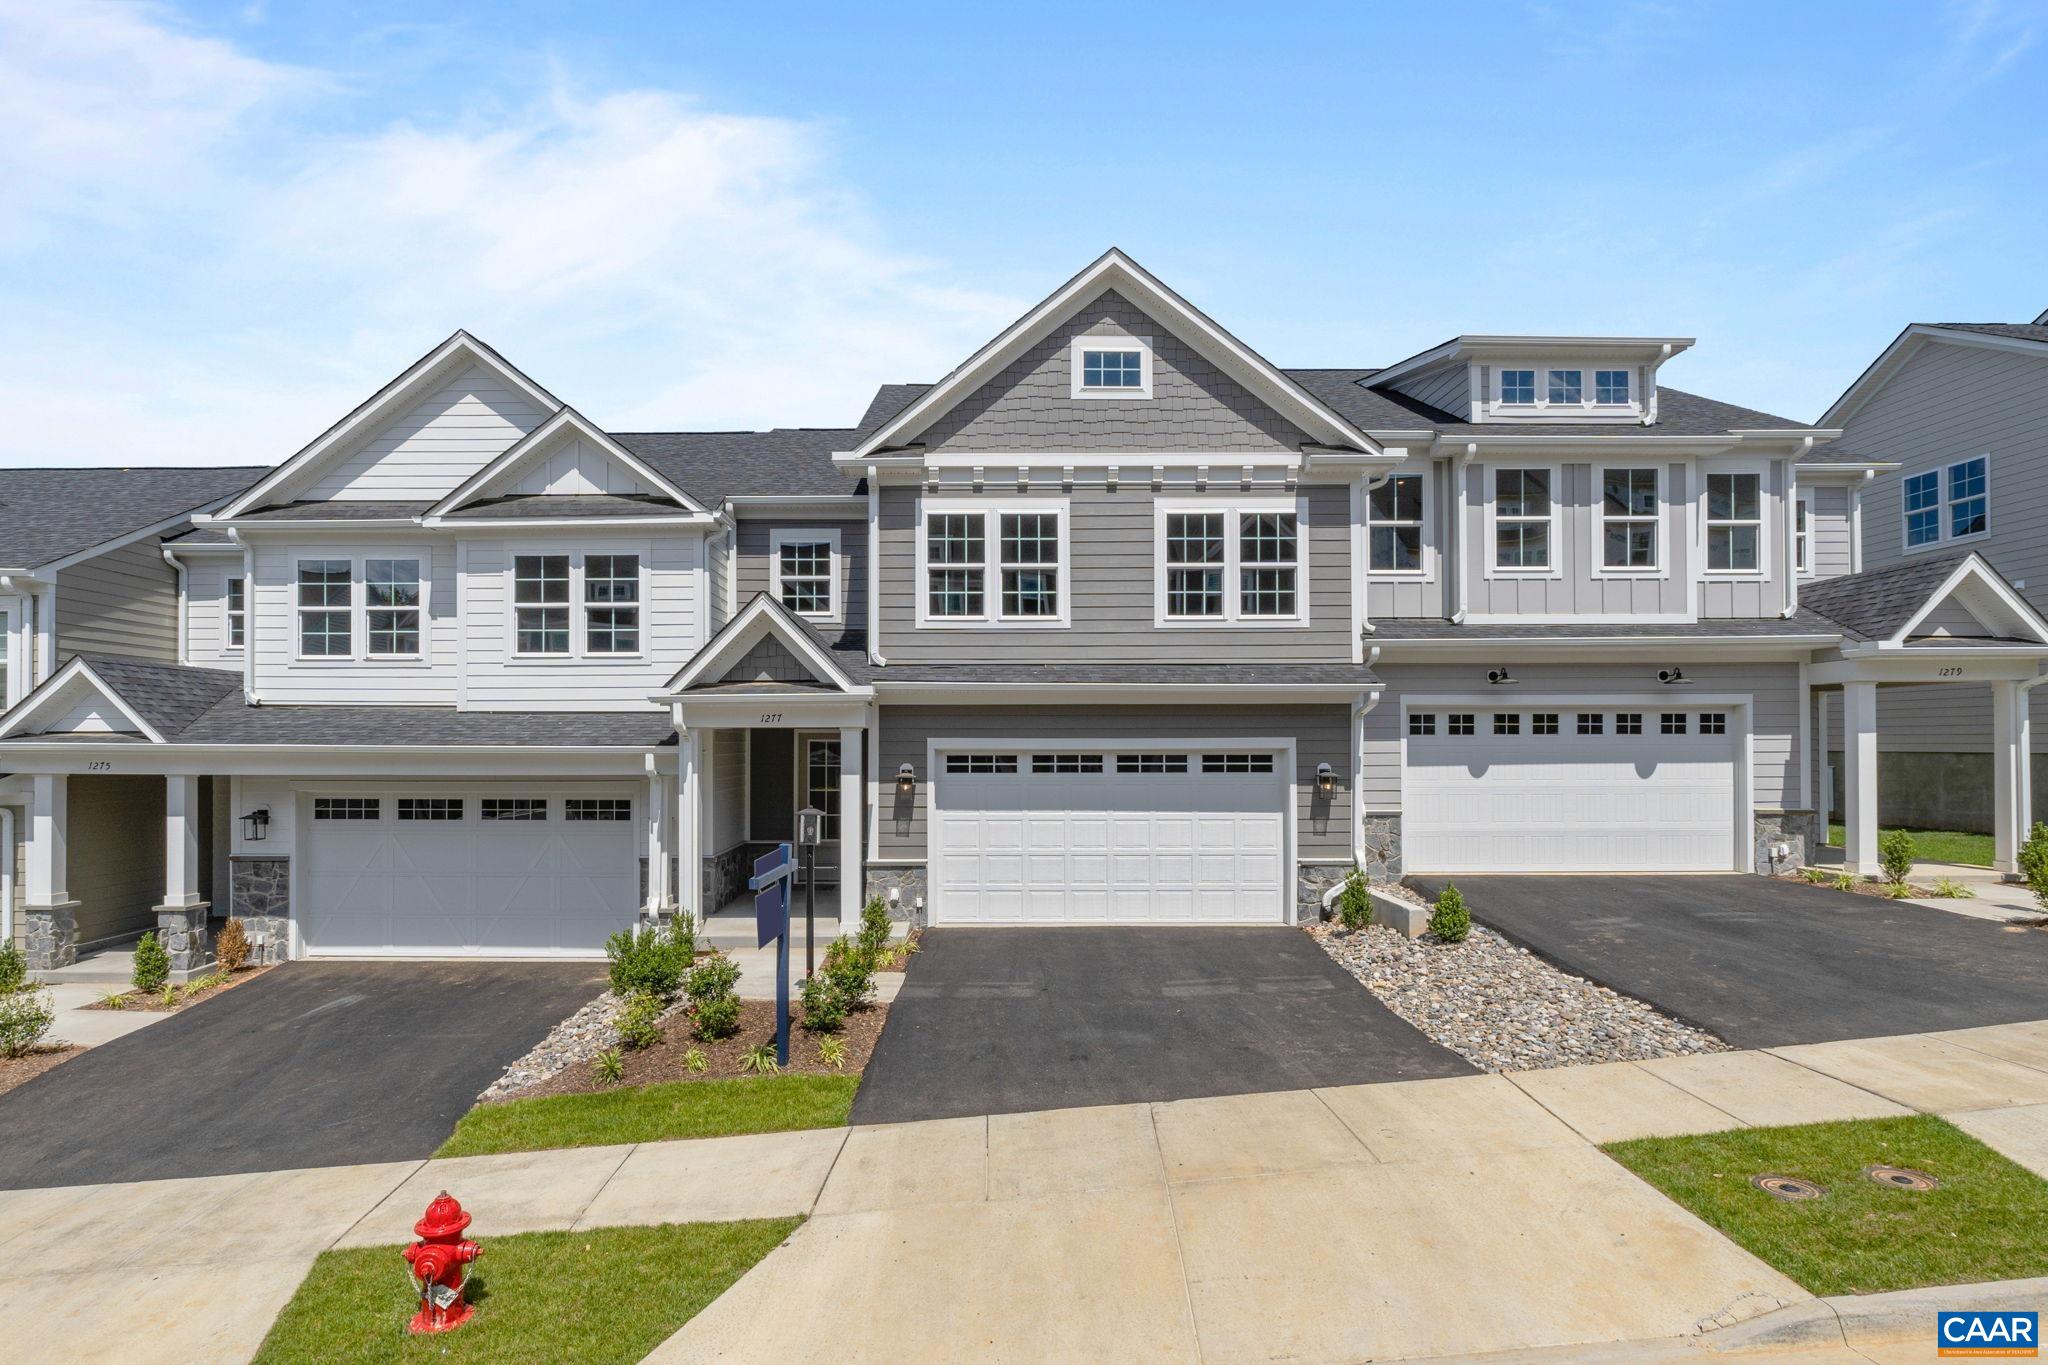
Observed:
{"x":1941,"y":718}
{"x":1321,"y":735}
{"x":122,"y":602}
{"x":1110,"y":585}
{"x":753,"y":568}
{"x":1830,"y":537}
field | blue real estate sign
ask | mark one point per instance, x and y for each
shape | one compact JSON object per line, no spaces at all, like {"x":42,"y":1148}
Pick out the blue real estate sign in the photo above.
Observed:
{"x":773,"y":873}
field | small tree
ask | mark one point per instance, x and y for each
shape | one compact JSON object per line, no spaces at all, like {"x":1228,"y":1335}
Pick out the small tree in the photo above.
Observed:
{"x":1354,"y":902}
{"x":1450,"y":921}
{"x":232,"y":947}
{"x":2034,"y":863}
{"x":1895,"y":856}
{"x":875,"y":928}
{"x":152,"y":964}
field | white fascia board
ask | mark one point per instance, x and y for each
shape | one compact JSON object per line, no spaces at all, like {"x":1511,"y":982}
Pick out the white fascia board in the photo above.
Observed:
{"x":381,"y":404}
{"x":528,"y":446}
{"x":1113,"y":269}
{"x":1841,"y":472}
{"x":258,"y":525}
{"x":125,"y":538}
{"x":1594,"y":443}
{"x":832,"y":711}
{"x":51,"y":689}
{"x":203,"y":547}
{"x":971,"y":694}
{"x":1975,"y":570}
{"x":1592,"y":648}
{"x":1902,"y":349}
{"x":851,"y":506}
{"x":501,"y":526}
{"x":317,"y":761}
{"x":759,"y":618}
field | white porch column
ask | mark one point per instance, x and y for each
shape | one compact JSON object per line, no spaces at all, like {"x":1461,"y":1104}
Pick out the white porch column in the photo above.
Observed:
{"x":1859,"y":778}
{"x":181,"y":842}
{"x":2009,"y":773}
{"x":689,"y":860}
{"x":659,"y":821}
{"x":852,"y":866}
{"x":49,"y":915}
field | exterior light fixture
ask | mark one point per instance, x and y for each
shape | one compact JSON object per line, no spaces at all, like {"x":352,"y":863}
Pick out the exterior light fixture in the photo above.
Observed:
{"x":810,"y":826}
{"x":906,"y":780}
{"x":256,"y":825}
{"x":1673,"y":677}
{"x":1326,"y":779}
{"x":1499,"y":676}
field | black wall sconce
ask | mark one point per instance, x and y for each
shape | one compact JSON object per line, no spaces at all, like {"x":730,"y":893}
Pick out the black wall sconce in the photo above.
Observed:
{"x":1499,"y":676}
{"x":256,"y":825}
{"x":1673,"y":677}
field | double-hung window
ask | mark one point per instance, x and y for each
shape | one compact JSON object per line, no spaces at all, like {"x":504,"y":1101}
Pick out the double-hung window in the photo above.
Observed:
{"x":1394,"y":516}
{"x":391,"y":598}
{"x":1923,"y":509}
{"x":1969,"y":498}
{"x":326,"y":607}
{"x":235,"y":607}
{"x":1522,"y":513}
{"x":1735,"y":522}
{"x":1952,"y":503}
{"x":540,"y":603}
{"x":1628,"y":519}
{"x":1239,"y":564}
{"x":611,"y":604}
{"x":995,"y":563}
{"x":805,"y":574}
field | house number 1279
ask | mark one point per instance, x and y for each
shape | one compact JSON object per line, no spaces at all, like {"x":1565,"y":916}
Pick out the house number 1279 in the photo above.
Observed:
{"x":1951,"y":672}
{"x":771,"y":718}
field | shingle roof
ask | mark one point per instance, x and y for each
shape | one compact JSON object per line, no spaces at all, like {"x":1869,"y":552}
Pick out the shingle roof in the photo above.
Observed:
{"x":1872,"y":605}
{"x":47,"y":514}
{"x":715,"y":465}
{"x":338,"y":510}
{"x":2018,"y":331}
{"x":1133,"y":674}
{"x":529,"y":505}
{"x":1393,"y":630}
{"x":167,"y":696}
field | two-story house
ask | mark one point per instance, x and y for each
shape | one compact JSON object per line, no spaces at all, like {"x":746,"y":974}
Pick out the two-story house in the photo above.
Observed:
{"x":1959,"y":413}
{"x":1118,"y":622}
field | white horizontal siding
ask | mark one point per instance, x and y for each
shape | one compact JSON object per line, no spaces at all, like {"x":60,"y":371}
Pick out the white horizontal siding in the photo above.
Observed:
{"x":281,"y":677}
{"x":206,"y":580}
{"x":436,"y":444}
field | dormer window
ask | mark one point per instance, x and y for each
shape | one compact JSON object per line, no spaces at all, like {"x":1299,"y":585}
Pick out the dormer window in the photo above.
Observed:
{"x":1610,"y":387}
{"x":1567,"y":387}
{"x":1112,"y":367}
{"x":1518,"y":386}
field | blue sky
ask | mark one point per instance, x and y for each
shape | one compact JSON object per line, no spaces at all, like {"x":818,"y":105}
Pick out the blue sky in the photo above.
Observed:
{"x":225,"y":224}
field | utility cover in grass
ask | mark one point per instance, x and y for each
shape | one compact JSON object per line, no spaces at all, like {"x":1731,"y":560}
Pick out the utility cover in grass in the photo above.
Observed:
{"x":612,"y":1294}
{"x":1988,"y":1220}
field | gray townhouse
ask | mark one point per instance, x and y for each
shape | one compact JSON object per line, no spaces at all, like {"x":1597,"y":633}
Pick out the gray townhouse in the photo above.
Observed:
{"x":1958,"y":413}
{"x":1117,"y":622}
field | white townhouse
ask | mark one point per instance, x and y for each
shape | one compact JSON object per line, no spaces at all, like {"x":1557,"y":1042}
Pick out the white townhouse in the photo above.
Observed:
{"x":1118,"y":622}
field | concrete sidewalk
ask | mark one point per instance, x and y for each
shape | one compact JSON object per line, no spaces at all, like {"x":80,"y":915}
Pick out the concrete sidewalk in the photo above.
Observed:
{"x":1412,"y":1219}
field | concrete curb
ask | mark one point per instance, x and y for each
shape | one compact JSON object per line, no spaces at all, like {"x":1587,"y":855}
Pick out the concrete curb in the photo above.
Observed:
{"x":1852,"y":1319}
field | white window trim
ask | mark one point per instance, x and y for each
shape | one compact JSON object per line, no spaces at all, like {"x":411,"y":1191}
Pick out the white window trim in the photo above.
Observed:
{"x":1942,"y":504}
{"x":1592,"y":389}
{"x":358,"y":609}
{"x":797,"y":535}
{"x":1589,"y":388}
{"x":1233,"y":617}
{"x":1491,"y":548}
{"x":1802,"y":541}
{"x":1427,"y":573}
{"x":992,"y":510}
{"x":1538,"y":389}
{"x":578,"y":608}
{"x":1660,"y":567}
{"x":1763,"y":520}
{"x":228,"y":614}
{"x":1142,"y":345}
{"x":1564,"y":367}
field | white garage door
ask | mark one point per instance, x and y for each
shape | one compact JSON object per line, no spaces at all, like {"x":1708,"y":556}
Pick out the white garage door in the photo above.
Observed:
{"x":1601,"y":789}
{"x":1108,"y":837}
{"x":467,"y":874}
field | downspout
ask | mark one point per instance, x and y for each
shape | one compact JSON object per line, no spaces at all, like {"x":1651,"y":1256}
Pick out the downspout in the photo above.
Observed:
{"x":178,"y":568}
{"x":1365,"y":625}
{"x":1792,"y":530}
{"x":7,"y":856}
{"x":1463,"y":565}
{"x":1856,"y":522}
{"x":1359,"y":710}
{"x":2025,"y":764}
{"x":250,"y":617}
{"x":874,"y":569}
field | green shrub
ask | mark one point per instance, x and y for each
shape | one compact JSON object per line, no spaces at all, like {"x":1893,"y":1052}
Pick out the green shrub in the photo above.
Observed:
{"x":25,"y":1016}
{"x":696,"y":1060}
{"x":875,"y":929}
{"x":1895,"y":856}
{"x":1844,"y":882}
{"x":2034,"y":863}
{"x":610,"y":1067}
{"x":231,"y":949}
{"x":718,"y":1017}
{"x":820,"y":1005}
{"x":640,"y":1021}
{"x":152,"y":964}
{"x":832,"y":1053}
{"x":1450,"y":921}
{"x":13,"y":969}
{"x":761,"y":1058}
{"x":710,"y":987}
{"x":1949,"y":889}
{"x":1354,"y":902}
{"x":849,"y":972}
{"x":653,"y":959}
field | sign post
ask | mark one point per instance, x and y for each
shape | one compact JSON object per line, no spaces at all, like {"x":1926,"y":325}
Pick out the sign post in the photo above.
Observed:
{"x":771,"y":922}
{"x":810,"y":831}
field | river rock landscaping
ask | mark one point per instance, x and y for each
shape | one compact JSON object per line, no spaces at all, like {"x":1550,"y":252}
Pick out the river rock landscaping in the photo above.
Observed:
{"x":1501,"y":1007}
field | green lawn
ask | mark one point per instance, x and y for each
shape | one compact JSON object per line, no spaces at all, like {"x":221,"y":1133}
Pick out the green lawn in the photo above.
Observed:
{"x":613,"y":1294}
{"x":1986,"y":1222}
{"x":649,"y":1113}
{"x":1939,"y":845}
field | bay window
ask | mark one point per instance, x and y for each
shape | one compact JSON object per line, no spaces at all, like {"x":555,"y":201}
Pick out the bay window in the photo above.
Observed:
{"x":997,"y":562}
{"x":1522,"y":513}
{"x":1240,"y":563}
{"x":1735,"y":520}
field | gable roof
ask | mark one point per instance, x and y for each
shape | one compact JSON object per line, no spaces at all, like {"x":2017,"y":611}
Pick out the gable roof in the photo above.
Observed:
{"x":47,"y":515}
{"x":2027,"y":338}
{"x":565,"y":420}
{"x":408,"y":386}
{"x":1884,"y":605}
{"x":160,"y":698}
{"x":1113,"y":270}
{"x":765,"y":618}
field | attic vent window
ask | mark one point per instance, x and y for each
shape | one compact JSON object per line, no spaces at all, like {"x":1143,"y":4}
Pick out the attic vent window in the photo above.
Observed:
{"x":1112,"y":367}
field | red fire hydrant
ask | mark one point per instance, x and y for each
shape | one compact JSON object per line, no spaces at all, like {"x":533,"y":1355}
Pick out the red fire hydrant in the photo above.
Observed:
{"x":439,"y":1266}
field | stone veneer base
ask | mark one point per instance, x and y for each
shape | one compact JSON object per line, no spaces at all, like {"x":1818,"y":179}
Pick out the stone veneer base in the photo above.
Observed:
{"x":51,"y":934}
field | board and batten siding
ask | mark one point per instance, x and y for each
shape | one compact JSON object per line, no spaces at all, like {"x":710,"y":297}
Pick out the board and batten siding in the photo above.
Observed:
{"x":1773,"y":687}
{"x":122,"y":602}
{"x":1576,"y":589}
{"x":1322,"y":734}
{"x":574,"y":465}
{"x":1111,"y":584}
{"x":463,"y":424}
{"x":754,"y":568}
{"x":1397,"y":595}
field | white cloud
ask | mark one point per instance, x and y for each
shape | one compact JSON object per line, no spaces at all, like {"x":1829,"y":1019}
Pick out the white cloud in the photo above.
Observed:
{"x":655,"y":262}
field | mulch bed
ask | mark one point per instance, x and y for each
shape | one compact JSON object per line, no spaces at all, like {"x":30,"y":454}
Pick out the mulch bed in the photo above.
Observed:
{"x":1863,"y":886}
{"x":153,"y":1001}
{"x":897,"y":959}
{"x":17,"y":1070}
{"x":667,"y":1059}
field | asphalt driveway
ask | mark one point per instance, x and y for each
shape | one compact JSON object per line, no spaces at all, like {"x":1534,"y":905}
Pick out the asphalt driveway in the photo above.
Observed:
{"x":1765,"y":962}
{"x":998,"y":1021}
{"x":311,"y":1064}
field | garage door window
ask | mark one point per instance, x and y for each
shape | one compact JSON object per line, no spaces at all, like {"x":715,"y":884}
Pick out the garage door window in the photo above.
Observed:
{"x":1422,"y":723}
{"x":347,"y":808}
{"x":1671,"y":723}
{"x":1237,"y":763}
{"x":1066,"y":763}
{"x":1713,"y":722}
{"x":1461,"y":723}
{"x":1628,"y":723}
{"x":429,"y":808}
{"x":598,"y":808}
{"x":515,"y":808}
{"x":1507,"y":723}
{"x":988,"y":765}
{"x":1543,"y":723}
{"x":1144,"y":764}
{"x":1592,"y":723}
